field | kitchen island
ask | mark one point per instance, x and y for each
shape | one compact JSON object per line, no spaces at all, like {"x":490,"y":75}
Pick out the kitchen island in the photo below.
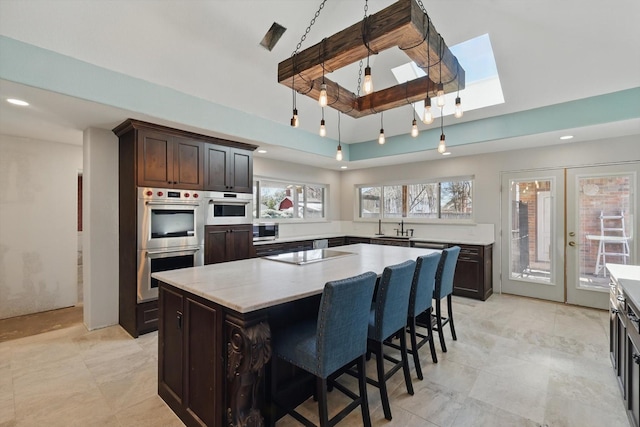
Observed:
{"x":215,"y":326}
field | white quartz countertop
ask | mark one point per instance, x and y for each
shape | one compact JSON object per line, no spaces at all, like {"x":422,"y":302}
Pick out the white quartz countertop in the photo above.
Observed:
{"x":256,"y":283}
{"x":627,"y":276}
{"x":471,"y":240}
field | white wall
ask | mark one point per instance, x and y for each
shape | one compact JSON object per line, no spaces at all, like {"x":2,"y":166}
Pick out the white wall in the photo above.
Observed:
{"x":100,"y":228}
{"x":487,"y":169}
{"x":38,"y":225}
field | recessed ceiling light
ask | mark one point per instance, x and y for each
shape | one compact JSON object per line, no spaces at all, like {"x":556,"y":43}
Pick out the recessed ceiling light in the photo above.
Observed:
{"x":17,"y":102}
{"x":343,"y":167}
{"x":566,"y":137}
{"x":446,"y":153}
{"x":262,"y":151}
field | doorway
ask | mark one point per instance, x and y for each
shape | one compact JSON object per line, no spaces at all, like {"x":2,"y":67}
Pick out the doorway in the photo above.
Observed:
{"x":560,"y":226}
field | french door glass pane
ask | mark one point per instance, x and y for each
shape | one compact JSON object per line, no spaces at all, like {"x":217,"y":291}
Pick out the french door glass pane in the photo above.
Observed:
{"x":604,"y":232}
{"x":531,"y":230}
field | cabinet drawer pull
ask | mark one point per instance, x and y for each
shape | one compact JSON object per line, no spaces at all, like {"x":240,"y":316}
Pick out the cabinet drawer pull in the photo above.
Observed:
{"x":636,"y":358}
{"x":615,"y":311}
{"x":179,"y":320}
{"x":620,"y":298}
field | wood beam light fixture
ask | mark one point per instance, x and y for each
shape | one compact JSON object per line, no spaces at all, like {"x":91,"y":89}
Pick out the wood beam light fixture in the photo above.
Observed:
{"x":405,"y":25}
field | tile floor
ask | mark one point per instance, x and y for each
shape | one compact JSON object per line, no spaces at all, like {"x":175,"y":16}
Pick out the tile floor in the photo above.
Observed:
{"x":517,"y":362}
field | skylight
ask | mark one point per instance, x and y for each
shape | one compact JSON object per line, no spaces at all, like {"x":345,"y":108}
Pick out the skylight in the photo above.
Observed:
{"x":482,"y":85}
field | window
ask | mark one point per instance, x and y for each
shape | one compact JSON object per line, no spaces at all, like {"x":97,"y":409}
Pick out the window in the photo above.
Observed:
{"x":444,"y":199}
{"x":286,"y":200}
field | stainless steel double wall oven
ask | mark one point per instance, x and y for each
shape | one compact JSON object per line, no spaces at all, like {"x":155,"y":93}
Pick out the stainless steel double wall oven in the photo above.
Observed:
{"x":170,"y":234}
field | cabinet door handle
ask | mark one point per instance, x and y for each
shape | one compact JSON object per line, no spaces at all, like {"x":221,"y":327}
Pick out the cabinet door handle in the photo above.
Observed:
{"x":179,"y":320}
{"x":620,"y":298}
{"x":636,"y":358}
{"x":615,"y":311}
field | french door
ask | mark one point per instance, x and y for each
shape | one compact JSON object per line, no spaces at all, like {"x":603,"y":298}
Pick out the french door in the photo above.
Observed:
{"x":560,"y":226}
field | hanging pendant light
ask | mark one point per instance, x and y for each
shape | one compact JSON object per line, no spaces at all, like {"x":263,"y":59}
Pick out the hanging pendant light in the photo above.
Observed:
{"x":294,"y":120}
{"x":442,"y":147}
{"x":322,"y":100}
{"x":339,"y":151}
{"x":428,"y":115}
{"x":414,"y":125}
{"x":367,"y":84}
{"x":381,"y":138}
{"x":323,"y":129}
{"x":441,"y":101}
{"x":459,"y":111}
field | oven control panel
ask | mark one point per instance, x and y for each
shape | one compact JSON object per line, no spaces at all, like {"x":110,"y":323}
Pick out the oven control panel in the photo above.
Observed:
{"x":167,"y":194}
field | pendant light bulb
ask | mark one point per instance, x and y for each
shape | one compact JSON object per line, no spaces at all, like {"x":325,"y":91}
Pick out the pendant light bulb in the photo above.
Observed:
{"x":440,"y":95}
{"x":414,"y":129}
{"x":294,"y":119}
{"x":459,"y":111}
{"x":323,"y":129}
{"x":442,"y":146}
{"x":339,"y":153}
{"x":367,"y":84}
{"x":381,"y":139}
{"x":322,"y":100}
{"x":428,"y":116}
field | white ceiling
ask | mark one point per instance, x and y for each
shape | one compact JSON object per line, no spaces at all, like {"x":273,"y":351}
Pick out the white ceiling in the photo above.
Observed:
{"x":547,"y":52}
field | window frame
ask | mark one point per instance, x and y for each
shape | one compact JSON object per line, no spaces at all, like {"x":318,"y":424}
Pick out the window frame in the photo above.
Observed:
{"x":405,"y":208}
{"x":303,"y":198}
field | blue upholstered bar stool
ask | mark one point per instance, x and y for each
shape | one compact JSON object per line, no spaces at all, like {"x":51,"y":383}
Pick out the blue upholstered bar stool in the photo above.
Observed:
{"x":444,"y":288}
{"x":389,"y":317}
{"x":336,"y":339}
{"x":420,"y":307}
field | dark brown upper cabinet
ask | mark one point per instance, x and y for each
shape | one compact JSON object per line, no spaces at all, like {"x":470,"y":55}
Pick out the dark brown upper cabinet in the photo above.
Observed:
{"x":228,"y":169}
{"x":169,"y":161}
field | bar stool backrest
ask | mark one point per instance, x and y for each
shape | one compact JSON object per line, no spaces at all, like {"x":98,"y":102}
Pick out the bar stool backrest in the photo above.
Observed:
{"x":392,"y":300}
{"x":343,"y":320}
{"x":424,"y":279}
{"x":446,"y":271}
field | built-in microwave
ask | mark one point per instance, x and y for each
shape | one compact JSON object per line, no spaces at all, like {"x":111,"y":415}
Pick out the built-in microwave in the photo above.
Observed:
{"x":265,"y":231}
{"x":228,"y":208}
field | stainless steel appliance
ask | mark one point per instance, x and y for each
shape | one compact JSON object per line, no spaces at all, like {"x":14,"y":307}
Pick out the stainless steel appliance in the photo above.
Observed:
{"x":228,"y":208}
{"x":152,"y":261}
{"x":170,"y":234}
{"x":169,"y":218}
{"x":265,"y":231}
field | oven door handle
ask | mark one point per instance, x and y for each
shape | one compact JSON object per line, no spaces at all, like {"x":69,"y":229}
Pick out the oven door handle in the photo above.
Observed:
{"x":169,"y":251}
{"x":230,"y":201}
{"x":173,"y":203}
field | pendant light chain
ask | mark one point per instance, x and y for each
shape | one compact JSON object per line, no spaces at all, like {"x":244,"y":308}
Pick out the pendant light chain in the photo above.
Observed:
{"x":313,"y":21}
{"x":294,"y":118}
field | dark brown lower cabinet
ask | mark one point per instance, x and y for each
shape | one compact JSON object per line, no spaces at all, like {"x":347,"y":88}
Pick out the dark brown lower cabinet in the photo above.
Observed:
{"x":224,"y":243}
{"x":474,"y":272}
{"x":190,"y":366}
{"x":283,"y":247}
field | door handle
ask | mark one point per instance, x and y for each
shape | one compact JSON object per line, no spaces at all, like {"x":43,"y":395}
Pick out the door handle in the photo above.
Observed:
{"x":572,"y":243}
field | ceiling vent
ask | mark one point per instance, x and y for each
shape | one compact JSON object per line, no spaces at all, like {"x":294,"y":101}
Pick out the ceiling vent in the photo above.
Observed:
{"x":273,"y":35}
